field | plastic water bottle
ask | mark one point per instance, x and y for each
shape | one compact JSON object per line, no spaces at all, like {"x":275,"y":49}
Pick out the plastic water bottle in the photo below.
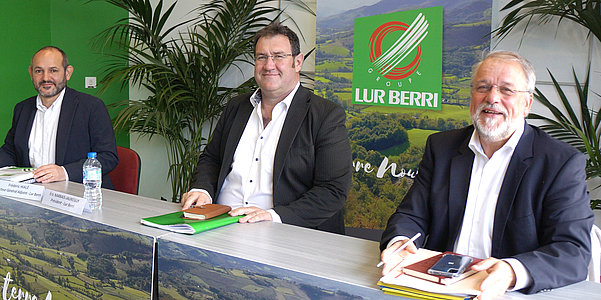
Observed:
{"x":92,"y":181}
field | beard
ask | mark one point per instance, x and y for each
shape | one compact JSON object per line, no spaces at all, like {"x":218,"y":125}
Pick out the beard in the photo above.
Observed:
{"x":489,"y":128}
{"x":58,"y":87}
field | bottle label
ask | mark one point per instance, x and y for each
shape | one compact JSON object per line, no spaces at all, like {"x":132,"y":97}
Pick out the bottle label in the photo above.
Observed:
{"x":92,"y":174}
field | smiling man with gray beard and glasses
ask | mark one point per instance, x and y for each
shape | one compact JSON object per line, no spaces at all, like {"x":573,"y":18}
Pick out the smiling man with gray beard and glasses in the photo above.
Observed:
{"x":501,"y":190}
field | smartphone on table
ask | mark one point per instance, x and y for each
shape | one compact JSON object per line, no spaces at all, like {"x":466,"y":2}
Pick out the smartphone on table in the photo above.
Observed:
{"x":450,"y":265}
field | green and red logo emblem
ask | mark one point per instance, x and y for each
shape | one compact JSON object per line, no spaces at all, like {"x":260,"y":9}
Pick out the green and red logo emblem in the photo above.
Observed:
{"x":398,"y":59}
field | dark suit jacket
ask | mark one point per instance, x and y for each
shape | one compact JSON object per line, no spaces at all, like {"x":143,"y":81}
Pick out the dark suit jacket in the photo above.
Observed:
{"x":312,"y":163}
{"x":84,"y":126}
{"x":542,"y":218}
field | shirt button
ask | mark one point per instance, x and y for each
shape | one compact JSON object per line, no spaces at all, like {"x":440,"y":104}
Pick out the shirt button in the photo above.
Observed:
{"x":261,"y":137}
{"x":246,"y":203}
{"x":256,"y":159}
{"x":251,"y":180}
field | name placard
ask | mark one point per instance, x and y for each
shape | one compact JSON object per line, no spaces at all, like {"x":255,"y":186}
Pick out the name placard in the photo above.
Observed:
{"x":21,"y":190}
{"x":64,"y":201}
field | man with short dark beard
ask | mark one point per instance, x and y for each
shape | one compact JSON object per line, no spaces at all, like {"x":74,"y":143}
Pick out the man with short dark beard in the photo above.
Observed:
{"x":500,"y":189}
{"x":53,"y":131}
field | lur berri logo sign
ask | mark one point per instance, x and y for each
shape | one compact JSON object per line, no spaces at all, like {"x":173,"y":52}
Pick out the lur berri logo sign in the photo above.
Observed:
{"x":397,"y":59}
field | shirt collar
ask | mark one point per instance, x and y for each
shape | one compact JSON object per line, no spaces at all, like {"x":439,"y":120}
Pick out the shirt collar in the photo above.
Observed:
{"x":511,"y":143}
{"x":255,"y":98}
{"x":40,"y":106}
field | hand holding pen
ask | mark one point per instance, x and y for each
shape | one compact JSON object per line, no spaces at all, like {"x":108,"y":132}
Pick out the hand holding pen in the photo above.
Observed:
{"x":399,"y":249}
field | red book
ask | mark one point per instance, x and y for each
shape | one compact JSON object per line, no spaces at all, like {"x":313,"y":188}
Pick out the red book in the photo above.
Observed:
{"x":206,"y":211}
{"x":420,"y":270}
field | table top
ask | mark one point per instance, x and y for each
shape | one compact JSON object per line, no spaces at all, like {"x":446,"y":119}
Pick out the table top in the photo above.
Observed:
{"x":336,"y":257}
{"x":120,"y":210}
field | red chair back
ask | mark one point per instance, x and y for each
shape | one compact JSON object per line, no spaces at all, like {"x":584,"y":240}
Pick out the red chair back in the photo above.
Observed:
{"x":126,"y":175}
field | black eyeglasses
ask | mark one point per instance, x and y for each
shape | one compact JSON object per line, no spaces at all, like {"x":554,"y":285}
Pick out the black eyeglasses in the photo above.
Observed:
{"x":276,"y":57}
{"x":485,"y":89}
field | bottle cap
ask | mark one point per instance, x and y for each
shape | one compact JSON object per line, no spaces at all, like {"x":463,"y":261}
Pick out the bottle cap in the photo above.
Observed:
{"x":91,"y":154}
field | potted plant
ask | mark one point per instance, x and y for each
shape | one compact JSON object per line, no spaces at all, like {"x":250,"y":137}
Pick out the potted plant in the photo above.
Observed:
{"x":580,"y":126}
{"x":182,"y":67}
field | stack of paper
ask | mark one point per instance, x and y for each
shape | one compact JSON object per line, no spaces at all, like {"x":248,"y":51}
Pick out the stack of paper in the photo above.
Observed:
{"x":398,"y":283}
{"x":420,"y":270}
{"x":17,"y":174}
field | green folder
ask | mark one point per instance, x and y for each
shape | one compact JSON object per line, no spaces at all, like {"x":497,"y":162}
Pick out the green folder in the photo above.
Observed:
{"x":174,"y":222}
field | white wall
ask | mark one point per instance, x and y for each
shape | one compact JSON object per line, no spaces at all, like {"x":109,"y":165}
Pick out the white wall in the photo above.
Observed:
{"x":554,"y":48}
{"x":558,"y":49}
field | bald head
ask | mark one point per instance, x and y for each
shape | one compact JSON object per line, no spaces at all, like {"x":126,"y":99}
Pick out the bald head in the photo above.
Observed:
{"x":65,"y":60}
{"x":49,"y":71}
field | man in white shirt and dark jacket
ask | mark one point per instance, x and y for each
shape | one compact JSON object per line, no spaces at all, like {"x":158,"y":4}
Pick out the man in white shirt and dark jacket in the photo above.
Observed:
{"x":500,"y":189}
{"x":53,"y":131}
{"x":280,"y":154}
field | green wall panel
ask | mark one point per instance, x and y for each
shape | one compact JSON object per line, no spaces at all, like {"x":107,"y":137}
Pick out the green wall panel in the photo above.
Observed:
{"x":24,"y":26}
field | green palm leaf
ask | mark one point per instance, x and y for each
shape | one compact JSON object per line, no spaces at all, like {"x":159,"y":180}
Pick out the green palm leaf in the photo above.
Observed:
{"x":579,"y":127}
{"x":581,"y":130}
{"x":586,"y":13}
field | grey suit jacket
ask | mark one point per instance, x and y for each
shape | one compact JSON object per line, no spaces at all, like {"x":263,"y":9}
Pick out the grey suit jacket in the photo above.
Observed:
{"x":542,"y":217}
{"x":312,"y":163}
{"x":84,"y":126}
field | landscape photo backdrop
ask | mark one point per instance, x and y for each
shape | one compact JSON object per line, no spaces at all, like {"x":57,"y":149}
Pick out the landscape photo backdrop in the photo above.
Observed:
{"x":52,"y":255}
{"x":388,"y":142}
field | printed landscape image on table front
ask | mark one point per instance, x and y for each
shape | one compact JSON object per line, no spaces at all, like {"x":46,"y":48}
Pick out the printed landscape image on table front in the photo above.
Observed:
{"x":388,"y":136}
{"x":187,"y":272}
{"x":51,"y":255}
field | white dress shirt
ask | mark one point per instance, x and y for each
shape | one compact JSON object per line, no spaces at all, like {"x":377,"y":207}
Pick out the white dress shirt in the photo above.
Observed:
{"x":250,"y":183}
{"x":42,"y":138}
{"x":475,"y":237}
